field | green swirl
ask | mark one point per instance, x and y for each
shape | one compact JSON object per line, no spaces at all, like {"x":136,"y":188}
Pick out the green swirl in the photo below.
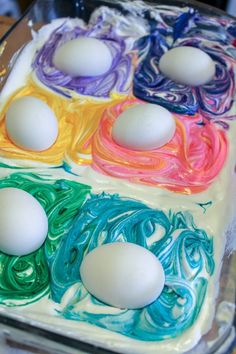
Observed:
{"x":26,"y":279}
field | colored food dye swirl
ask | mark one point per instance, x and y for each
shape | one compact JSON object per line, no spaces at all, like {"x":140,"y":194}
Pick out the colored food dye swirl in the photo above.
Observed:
{"x":116,"y":80}
{"x":187,"y":164}
{"x":213,"y":100}
{"x":185,"y":252}
{"x":26,"y":279}
{"x":78,"y":121}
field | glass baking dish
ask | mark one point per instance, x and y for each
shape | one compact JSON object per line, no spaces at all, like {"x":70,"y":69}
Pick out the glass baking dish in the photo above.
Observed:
{"x":26,"y":336}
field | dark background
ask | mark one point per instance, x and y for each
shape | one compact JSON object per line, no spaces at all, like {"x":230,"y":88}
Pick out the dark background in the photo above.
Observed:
{"x":13,"y":8}
{"x":222,"y":4}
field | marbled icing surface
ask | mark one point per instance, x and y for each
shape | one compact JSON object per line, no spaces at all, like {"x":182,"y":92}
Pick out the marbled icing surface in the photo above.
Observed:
{"x":187,"y":164}
{"x":213,"y":100}
{"x":78,"y":120}
{"x":116,"y":80}
{"x":26,"y":279}
{"x":185,"y":252}
{"x":171,"y":228}
{"x":186,"y":232}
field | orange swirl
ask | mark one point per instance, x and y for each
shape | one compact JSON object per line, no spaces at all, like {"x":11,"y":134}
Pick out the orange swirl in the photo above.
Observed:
{"x":187,"y":164}
{"x":78,"y":120}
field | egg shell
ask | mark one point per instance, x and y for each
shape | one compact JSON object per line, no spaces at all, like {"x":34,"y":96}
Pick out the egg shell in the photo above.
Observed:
{"x":84,"y":56}
{"x":144,"y":127}
{"x":187,"y":65}
{"x":31,"y":124}
{"x":123,"y":275}
{"x":23,"y":222}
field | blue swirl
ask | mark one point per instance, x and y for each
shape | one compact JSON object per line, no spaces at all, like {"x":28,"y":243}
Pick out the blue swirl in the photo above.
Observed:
{"x":181,"y":24}
{"x":208,"y":28}
{"x":232,"y":29}
{"x":212,"y":100}
{"x":185,"y":252}
{"x":150,"y":85}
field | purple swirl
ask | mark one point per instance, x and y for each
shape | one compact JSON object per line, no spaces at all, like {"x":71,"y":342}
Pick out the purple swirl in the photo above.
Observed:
{"x":116,"y":79}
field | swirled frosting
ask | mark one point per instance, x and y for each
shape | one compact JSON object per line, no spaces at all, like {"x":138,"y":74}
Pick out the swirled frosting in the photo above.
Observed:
{"x":26,"y":279}
{"x":186,"y":232}
{"x":78,"y":120}
{"x":116,"y":80}
{"x":213,"y":100}
{"x":187,"y":164}
{"x":185,"y":252}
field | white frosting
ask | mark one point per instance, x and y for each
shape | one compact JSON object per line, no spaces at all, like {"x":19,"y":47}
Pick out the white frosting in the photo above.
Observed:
{"x":19,"y":74}
{"x":157,"y":198}
{"x":214,"y":220}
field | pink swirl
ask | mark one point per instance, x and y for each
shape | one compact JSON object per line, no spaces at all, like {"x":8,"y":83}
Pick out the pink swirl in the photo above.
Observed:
{"x":187,"y":164}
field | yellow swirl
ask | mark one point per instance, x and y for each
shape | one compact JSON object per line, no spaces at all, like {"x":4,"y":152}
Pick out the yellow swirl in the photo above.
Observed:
{"x":78,"y":120}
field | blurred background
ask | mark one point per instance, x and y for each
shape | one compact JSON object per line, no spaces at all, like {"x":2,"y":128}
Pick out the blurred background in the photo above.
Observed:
{"x":14,"y":8}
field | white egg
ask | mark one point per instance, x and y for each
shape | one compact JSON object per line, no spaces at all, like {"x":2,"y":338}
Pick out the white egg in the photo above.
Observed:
{"x":144,"y":127}
{"x":23,"y":222}
{"x":31,"y":124}
{"x":187,"y":65}
{"x":83,"y":56}
{"x":123,"y":275}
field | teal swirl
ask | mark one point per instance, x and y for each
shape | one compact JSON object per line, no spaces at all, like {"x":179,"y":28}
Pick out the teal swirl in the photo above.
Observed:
{"x":185,"y":252}
{"x":26,"y":279}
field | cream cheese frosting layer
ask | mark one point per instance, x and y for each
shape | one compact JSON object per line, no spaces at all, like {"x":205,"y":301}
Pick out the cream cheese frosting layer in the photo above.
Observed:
{"x":86,"y":208}
{"x":60,"y":185}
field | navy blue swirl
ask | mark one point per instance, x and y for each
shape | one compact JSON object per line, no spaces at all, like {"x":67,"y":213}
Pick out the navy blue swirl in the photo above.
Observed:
{"x":212,"y":100}
{"x":150,"y":85}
